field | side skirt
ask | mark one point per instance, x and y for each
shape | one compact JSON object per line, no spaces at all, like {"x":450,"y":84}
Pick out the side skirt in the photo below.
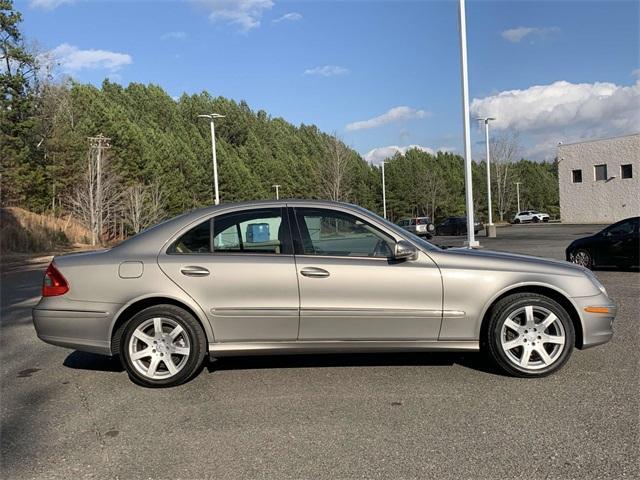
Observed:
{"x":361,"y":346}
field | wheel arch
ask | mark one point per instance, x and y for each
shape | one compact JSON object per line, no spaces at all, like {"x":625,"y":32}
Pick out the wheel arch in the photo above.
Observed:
{"x":135,"y":306}
{"x":545,"y":290}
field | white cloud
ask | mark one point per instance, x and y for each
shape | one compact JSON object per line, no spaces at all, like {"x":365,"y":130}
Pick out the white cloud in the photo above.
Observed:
{"x":72,"y":59}
{"x":396,"y":114}
{"x":288,"y":17}
{"x":327,"y":71}
{"x":245,"y":14}
{"x":48,"y":4}
{"x":564,"y":111}
{"x":636,"y":73}
{"x":377,"y":155}
{"x":515,"y":35}
{"x":173,"y":36}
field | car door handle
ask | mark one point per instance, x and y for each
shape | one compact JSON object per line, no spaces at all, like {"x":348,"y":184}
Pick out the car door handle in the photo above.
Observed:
{"x":194,"y":271}
{"x":314,"y":272}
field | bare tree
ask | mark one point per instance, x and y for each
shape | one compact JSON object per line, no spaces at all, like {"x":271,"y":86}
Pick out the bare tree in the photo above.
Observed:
{"x":96,"y":199}
{"x":143,"y":206}
{"x":505,"y":149}
{"x":334,"y":172}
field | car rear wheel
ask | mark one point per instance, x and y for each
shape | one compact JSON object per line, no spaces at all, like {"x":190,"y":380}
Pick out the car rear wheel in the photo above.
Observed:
{"x":536,"y":219}
{"x":162,"y":346}
{"x":581,"y":257}
{"x":529,"y":335}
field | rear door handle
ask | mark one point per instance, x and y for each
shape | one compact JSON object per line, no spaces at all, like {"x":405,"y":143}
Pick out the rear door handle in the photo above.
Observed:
{"x":194,"y":271}
{"x":314,"y":272}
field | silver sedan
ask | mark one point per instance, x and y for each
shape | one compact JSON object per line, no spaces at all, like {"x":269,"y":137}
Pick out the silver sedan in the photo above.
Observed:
{"x":312,"y":277}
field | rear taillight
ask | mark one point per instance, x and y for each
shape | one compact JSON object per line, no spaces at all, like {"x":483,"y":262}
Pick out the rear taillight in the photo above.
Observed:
{"x":54,"y":283}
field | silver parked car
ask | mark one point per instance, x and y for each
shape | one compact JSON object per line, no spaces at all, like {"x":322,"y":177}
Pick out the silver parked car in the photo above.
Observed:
{"x":312,"y":277}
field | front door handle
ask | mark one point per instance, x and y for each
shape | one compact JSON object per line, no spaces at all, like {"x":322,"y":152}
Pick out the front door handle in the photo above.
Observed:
{"x":194,"y":271}
{"x":314,"y":272}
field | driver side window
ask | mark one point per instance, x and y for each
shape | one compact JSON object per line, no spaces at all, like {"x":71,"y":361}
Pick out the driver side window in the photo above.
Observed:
{"x":333,"y":233}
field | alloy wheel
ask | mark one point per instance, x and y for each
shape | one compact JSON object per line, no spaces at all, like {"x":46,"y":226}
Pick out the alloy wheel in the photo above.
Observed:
{"x":159,"y":348}
{"x":581,"y":258}
{"x":532,"y":337}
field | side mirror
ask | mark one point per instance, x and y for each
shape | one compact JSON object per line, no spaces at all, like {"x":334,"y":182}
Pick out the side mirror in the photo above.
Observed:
{"x":404,"y":250}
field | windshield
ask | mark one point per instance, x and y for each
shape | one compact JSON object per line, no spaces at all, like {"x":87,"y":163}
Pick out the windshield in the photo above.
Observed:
{"x":401,"y":231}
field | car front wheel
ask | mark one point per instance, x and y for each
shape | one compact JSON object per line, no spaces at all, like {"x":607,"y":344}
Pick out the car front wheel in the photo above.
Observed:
{"x":581,"y":257}
{"x":162,"y":346}
{"x":529,"y":335}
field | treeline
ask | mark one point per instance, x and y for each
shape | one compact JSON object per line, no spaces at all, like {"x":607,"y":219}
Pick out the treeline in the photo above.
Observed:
{"x":157,"y":159}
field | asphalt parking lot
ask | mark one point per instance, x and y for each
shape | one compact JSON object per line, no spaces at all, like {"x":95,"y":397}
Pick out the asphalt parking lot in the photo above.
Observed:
{"x":67,"y":414}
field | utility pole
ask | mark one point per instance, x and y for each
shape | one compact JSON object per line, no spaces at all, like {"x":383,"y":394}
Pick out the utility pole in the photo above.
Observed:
{"x":98,"y":143}
{"x":490,"y":227}
{"x":468,"y":180}
{"x":384,"y":194}
{"x":518,"y":194}
{"x":277,"y":187}
{"x":211,"y":117}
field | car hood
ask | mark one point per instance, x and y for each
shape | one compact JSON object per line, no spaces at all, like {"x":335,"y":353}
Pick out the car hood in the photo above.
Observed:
{"x":504,"y":260}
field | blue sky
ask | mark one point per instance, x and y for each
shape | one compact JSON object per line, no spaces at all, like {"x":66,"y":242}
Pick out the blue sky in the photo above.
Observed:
{"x":383,"y":75}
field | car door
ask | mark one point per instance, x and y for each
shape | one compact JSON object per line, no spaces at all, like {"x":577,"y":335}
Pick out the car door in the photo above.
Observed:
{"x":350,"y":289}
{"x":239,"y":267}
{"x":619,"y":243}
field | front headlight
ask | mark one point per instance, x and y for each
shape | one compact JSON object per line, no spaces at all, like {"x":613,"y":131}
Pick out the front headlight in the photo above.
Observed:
{"x":596,"y":282}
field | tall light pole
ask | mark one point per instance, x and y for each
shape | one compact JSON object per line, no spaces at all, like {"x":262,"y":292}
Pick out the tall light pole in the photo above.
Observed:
{"x":490,"y":228}
{"x":468,"y":181}
{"x":384,"y":194}
{"x":518,"y":194}
{"x":211,"y":117}
{"x":277,"y":187}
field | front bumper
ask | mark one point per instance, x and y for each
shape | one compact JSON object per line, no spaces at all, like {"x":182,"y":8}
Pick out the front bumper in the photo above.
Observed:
{"x":597,"y":328}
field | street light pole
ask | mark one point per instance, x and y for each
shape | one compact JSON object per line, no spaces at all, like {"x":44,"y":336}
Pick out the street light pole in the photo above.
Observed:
{"x":491,"y":232}
{"x":384,"y":194}
{"x":518,"y":194}
{"x":277,"y":187}
{"x":211,"y":117}
{"x":468,"y":180}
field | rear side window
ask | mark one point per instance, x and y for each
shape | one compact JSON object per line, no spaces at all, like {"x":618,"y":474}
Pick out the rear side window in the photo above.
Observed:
{"x":252,"y":231}
{"x":196,"y":240}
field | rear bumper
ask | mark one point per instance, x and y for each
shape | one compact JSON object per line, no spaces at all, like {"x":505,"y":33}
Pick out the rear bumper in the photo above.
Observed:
{"x":85,"y":330}
{"x":597,"y":328}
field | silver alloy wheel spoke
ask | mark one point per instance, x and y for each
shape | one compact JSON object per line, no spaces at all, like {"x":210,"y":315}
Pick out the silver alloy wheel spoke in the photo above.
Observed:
{"x":512,"y":325}
{"x":543,"y":355}
{"x":532,"y":337}
{"x":170,"y":365}
{"x":175,"y":332}
{"x":518,"y":342}
{"x":147,"y":352}
{"x":548,"y":321}
{"x":142,"y":336}
{"x":556,"y":339}
{"x":159,"y":348}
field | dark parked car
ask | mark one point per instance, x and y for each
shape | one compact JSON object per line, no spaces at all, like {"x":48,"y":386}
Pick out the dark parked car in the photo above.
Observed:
{"x":616,"y":245}
{"x":456,"y":226}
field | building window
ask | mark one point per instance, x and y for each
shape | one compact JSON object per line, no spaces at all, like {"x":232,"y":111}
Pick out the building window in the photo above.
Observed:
{"x":577,"y":176}
{"x":626,"y":171}
{"x":601,"y":172}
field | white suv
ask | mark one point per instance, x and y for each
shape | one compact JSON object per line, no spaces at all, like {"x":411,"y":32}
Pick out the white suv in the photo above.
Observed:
{"x":530,"y":216}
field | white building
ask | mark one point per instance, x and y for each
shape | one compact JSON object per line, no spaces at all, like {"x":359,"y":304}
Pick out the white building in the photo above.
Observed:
{"x":600,"y":180}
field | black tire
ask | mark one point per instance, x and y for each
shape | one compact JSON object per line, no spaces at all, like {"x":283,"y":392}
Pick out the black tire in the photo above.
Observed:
{"x":193,"y":331}
{"x":493,"y":331}
{"x":536,"y":219}
{"x":582,"y":257}
{"x":517,"y":220}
